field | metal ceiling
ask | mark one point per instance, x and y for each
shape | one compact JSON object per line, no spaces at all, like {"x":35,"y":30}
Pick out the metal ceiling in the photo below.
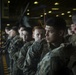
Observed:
{"x":18,"y":6}
{"x":18,"y":9}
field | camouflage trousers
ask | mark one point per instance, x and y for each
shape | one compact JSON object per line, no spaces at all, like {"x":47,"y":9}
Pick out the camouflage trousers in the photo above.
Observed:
{"x":16,"y":70}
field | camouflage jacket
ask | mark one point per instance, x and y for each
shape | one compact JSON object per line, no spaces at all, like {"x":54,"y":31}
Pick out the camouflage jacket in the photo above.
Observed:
{"x":35,"y":53}
{"x":56,"y":61}
{"x":7,"y":43}
{"x":15,"y":45}
{"x":72,"y":39}
{"x":22,"y":54}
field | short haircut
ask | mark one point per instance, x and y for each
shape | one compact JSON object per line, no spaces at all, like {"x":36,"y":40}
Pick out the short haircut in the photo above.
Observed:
{"x":8,"y":28}
{"x":57,"y":22}
{"x":21,"y":26}
{"x":37,"y":27}
{"x":28,"y":29}
{"x":15,"y":28}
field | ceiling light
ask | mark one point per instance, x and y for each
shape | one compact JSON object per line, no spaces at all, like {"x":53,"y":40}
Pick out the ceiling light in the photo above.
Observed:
{"x":41,"y":15}
{"x":27,"y":9}
{"x":55,"y":8}
{"x":49,"y":11}
{"x":56,"y":3}
{"x":8,"y":24}
{"x":36,"y":2}
{"x":2,"y":42}
{"x":74,"y":8}
{"x":70,"y":15}
{"x":8,"y":1}
{"x":44,"y":13}
{"x":62,"y":14}
{"x":68,"y":12}
{"x":28,"y":13}
{"x":57,"y":15}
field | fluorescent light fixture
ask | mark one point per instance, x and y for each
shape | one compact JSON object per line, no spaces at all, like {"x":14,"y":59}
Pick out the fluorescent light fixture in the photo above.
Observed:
{"x":55,"y":8}
{"x":36,"y":2}
{"x":62,"y":13}
{"x":28,"y":13}
{"x":8,"y":1}
{"x":49,"y":11}
{"x":68,"y":12}
{"x":74,"y":8}
{"x":56,"y":3}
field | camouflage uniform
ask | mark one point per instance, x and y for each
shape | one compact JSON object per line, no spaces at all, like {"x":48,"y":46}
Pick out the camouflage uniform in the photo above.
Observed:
{"x":22,"y":54}
{"x":7,"y":43}
{"x":72,"y":39}
{"x":72,"y":63}
{"x":35,"y":53}
{"x":56,"y":61}
{"x":15,"y":46}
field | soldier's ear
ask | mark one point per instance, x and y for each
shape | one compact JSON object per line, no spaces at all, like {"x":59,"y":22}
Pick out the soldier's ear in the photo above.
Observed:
{"x":61,"y":33}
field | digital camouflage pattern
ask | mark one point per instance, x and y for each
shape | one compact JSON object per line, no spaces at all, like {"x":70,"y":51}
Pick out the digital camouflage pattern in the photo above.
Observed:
{"x":7,"y":43}
{"x":35,"y":53}
{"x":72,"y":39}
{"x":15,"y":45}
{"x":56,"y":61}
{"x":22,"y":54}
